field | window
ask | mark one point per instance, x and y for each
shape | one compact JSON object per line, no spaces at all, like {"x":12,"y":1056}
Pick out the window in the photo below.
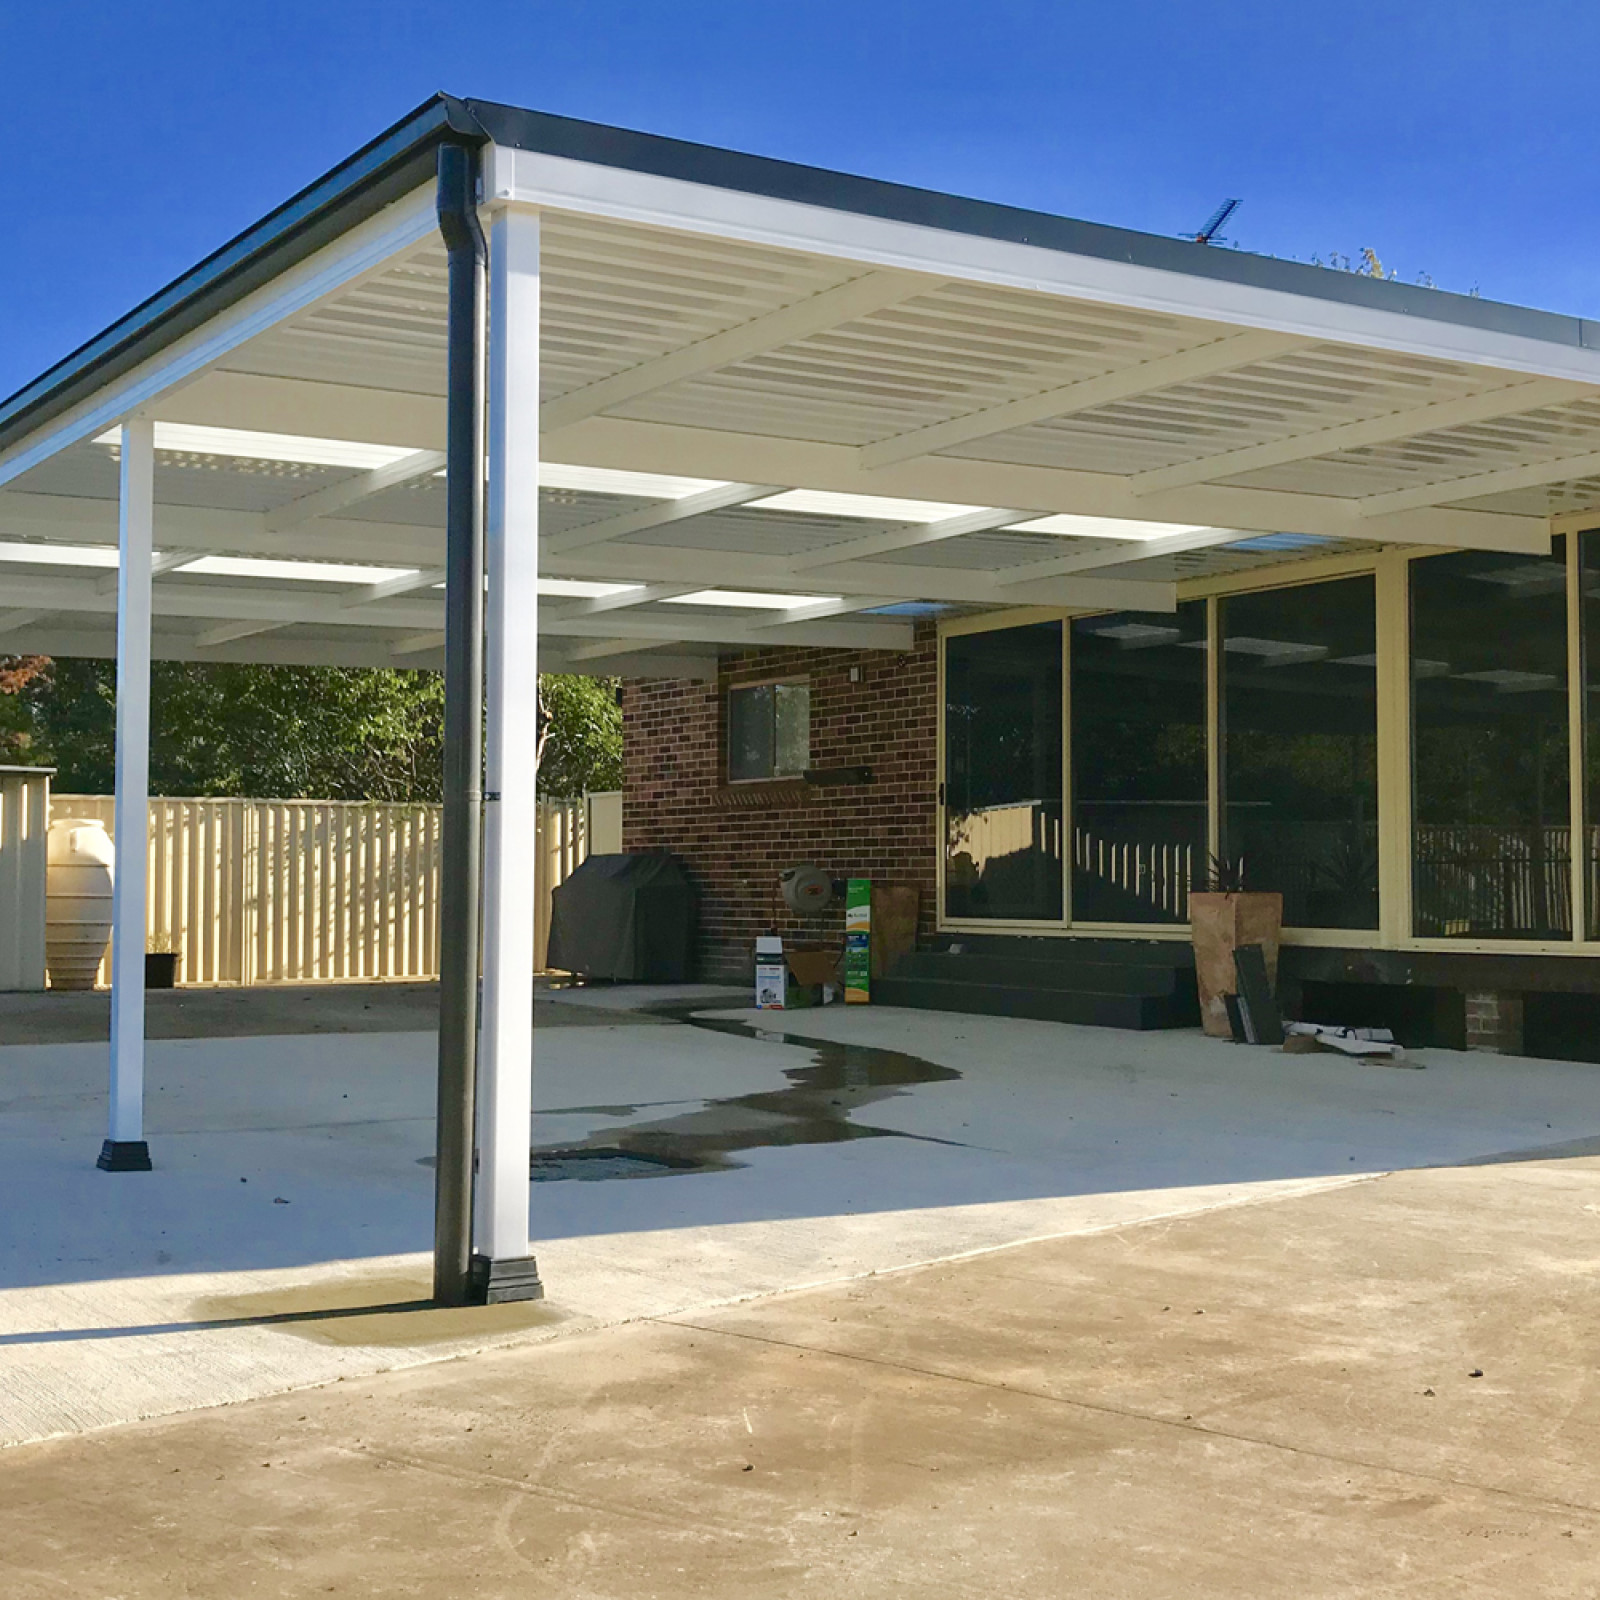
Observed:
{"x":1138,"y":764}
{"x":1300,"y":748}
{"x":769,"y":731}
{"x":1491,"y":822}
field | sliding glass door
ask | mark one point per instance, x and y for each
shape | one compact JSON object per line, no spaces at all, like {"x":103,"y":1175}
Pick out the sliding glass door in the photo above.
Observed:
{"x":1003,"y":771}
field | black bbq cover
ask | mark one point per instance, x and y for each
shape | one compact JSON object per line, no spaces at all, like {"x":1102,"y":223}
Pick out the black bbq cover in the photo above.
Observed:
{"x":625,"y":917}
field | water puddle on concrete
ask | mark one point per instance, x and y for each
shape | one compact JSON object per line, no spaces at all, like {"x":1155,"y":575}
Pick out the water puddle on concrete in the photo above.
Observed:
{"x":817,"y":1107}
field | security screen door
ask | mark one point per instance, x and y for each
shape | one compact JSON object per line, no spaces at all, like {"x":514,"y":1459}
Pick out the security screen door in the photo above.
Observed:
{"x":1002,"y":790}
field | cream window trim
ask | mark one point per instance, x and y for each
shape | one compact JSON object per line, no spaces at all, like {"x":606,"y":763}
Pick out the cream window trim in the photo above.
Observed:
{"x":1576,"y":728}
{"x":1393,"y":602}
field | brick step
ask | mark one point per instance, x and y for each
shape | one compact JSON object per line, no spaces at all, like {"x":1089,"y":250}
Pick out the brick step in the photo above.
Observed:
{"x":1140,"y":1012}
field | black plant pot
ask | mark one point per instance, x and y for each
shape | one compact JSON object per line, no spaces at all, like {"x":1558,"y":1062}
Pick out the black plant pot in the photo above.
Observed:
{"x":161,"y":969}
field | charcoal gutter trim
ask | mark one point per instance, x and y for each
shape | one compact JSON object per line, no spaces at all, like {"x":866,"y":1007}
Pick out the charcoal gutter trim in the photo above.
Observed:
{"x":401,"y":159}
{"x":398,"y":161}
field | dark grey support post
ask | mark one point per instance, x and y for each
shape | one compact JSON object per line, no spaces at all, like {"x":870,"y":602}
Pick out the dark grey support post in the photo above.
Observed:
{"x":463,"y":729}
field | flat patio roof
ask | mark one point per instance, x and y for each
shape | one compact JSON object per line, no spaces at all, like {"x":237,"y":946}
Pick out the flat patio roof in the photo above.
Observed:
{"x":777,"y":405}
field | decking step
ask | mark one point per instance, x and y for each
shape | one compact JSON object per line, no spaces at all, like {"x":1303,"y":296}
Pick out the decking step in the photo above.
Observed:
{"x":1140,"y":1012}
{"x":1110,"y":983}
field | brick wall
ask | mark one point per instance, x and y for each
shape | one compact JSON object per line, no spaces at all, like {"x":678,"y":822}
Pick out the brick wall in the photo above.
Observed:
{"x":736,"y":839}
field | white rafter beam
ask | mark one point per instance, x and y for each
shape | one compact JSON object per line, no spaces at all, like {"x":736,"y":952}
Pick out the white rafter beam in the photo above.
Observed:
{"x":227,"y":632}
{"x":10,"y":621}
{"x":731,"y":629}
{"x":352,"y":491}
{"x":417,"y":643}
{"x":600,"y":649}
{"x":1123,"y":554}
{"x":406,"y":583}
{"x":722,"y":453}
{"x":658,"y":515}
{"x":230,"y":603}
{"x":845,"y":302}
{"x":644,"y":595}
{"x":1506,"y":480}
{"x":1460,"y":413}
{"x":1184,"y":366}
{"x":821,"y":609}
{"x":908,"y":537}
{"x":170,"y":561}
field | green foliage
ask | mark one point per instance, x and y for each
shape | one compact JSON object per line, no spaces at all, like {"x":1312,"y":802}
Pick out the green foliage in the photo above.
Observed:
{"x":328,"y":733}
{"x":583,"y":745}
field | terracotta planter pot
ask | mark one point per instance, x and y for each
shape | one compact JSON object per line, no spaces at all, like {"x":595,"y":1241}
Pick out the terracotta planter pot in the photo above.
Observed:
{"x":1219,"y":924}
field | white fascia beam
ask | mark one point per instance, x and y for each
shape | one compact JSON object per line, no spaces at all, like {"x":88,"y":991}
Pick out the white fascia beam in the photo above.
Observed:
{"x":1183,"y":366}
{"x":353,"y":490}
{"x":1510,"y":400}
{"x":731,"y":630}
{"x":1126,"y":553}
{"x":371,"y":247}
{"x":908,"y":537}
{"x":643,"y":595}
{"x":713,"y":453}
{"x":830,"y":308}
{"x":657,"y":515}
{"x":1506,"y":480}
{"x":531,"y":178}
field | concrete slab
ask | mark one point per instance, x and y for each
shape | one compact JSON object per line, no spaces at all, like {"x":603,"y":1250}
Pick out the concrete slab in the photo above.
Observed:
{"x":290,"y":1193}
{"x":1272,"y":1401}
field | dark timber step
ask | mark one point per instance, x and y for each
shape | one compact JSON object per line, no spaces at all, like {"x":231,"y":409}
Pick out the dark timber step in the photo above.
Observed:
{"x":1107,"y":983}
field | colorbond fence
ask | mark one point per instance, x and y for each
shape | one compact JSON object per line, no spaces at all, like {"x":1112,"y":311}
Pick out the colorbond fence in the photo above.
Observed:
{"x":306,"y":891}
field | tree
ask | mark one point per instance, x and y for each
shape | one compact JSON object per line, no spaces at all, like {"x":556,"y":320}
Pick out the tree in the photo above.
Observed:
{"x":580,"y":734}
{"x":326,"y":733}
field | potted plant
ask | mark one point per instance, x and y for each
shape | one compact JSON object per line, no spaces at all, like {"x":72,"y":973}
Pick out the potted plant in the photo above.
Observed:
{"x":1223,"y":916}
{"x":161,"y":962}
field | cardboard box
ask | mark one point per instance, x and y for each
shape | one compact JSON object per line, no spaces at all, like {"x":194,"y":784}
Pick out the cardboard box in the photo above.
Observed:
{"x":858,"y":941}
{"x":772,"y":973}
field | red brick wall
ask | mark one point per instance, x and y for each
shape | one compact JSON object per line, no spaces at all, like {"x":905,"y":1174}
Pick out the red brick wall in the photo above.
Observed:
{"x":676,"y":797}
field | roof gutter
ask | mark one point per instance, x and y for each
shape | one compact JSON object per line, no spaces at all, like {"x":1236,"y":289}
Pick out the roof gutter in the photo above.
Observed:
{"x":395,"y":163}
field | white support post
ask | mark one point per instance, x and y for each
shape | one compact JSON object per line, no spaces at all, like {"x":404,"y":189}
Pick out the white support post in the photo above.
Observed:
{"x":511,"y":621}
{"x":125,"y":1149}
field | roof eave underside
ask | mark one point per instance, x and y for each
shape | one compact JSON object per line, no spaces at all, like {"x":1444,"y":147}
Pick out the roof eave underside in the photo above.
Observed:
{"x":1222,"y":448}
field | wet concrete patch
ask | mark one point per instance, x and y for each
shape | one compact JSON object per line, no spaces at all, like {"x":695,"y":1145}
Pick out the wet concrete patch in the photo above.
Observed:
{"x":393,"y":1312}
{"x":817,"y":1107}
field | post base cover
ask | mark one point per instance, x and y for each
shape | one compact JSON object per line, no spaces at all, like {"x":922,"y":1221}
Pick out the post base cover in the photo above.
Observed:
{"x":124,"y":1155}
{"x":496,"y":1283}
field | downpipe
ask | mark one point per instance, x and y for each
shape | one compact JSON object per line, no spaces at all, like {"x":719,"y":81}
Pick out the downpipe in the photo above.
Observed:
{"x":460,"y":928}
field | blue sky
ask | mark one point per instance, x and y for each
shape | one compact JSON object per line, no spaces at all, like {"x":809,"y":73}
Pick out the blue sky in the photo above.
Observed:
{"x":1455,"y":139}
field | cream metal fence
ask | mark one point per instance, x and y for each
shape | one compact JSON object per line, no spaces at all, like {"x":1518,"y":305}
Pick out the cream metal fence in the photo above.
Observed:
{"x":24,"y":804}
{"x":308,"y":891}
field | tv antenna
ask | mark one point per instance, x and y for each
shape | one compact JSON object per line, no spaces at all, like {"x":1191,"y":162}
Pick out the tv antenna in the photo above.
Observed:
{"x":1215,"y":223}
